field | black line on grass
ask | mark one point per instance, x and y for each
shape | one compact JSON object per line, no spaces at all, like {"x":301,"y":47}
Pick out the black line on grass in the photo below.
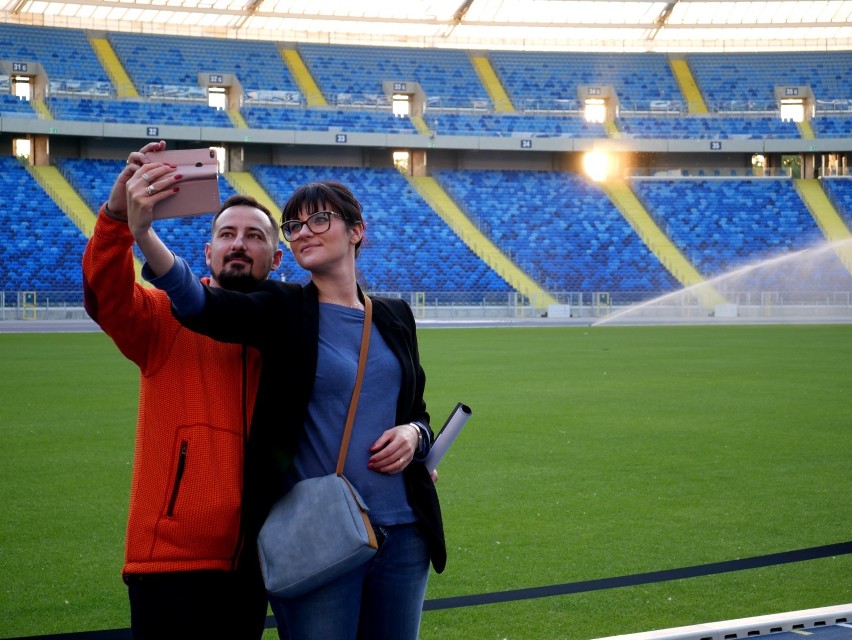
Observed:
{"x":771,"y":559}
{"x":785,"y":557}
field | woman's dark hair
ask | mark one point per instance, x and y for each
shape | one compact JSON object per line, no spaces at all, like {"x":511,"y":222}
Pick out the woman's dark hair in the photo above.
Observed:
{"x":325,"y":195}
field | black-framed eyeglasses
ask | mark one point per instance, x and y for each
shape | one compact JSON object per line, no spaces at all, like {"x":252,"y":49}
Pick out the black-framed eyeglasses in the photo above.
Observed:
{"x":319,"y":222}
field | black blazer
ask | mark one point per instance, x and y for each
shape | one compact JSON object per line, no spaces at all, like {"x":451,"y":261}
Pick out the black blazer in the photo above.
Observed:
{"x":282,"y":321}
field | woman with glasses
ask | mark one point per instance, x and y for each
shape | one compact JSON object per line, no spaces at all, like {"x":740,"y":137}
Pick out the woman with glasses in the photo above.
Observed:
{"x":309,"y":337}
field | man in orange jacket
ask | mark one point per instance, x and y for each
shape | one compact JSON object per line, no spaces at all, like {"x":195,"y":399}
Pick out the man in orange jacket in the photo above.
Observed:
{"x":189,"y":569}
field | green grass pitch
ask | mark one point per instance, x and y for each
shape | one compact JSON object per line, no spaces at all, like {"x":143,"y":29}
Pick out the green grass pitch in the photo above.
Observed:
{"x":592,"y":452}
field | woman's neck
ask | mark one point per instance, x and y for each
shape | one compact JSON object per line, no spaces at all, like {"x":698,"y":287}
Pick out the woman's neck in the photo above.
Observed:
{"x":338,"y":291}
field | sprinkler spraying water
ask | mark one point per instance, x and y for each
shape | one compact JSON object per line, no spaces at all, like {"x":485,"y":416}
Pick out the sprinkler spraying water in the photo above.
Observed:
{"x":811,"y":284}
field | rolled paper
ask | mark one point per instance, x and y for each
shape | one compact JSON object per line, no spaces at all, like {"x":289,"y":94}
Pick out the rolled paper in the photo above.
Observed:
{"x":457,"y":419}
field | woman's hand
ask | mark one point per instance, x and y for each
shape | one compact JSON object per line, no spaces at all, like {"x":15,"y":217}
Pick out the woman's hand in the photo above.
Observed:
{"x":150,"y":183}
{"x":117,"y":203}
{"x":394,"y":449}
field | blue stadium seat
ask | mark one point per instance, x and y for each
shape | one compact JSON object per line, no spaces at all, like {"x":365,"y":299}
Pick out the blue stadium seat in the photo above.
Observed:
{"x":144,"y":112}
{"x":733,"y":81}
{"x":839,"y":192}
{"x":512,"y":125}
{"x":14,"y":107}
{"x":41,"y":248}
{"x":560,"y":228}
{"x":407,"y":247}
{"x":320,"y":119}
{"x":832,"y":125}
{"x":722,"y":225}
{"x":64,"y":54}
{"x":714,"y":127}
{"x":175,"y":61}
{"x":549,"y":79}
{"x":357,"y":73}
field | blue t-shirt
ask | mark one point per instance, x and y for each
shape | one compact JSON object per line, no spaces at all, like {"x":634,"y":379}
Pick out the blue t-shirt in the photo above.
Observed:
{"x":337,"y":365}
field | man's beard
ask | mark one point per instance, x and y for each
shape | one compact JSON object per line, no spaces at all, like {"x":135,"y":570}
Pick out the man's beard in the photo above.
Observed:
{"x":240,"y":279}
{"x":233,"y":281}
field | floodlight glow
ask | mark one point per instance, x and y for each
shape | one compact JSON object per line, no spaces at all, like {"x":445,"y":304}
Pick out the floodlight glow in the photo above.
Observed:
{"x":596,"y":165}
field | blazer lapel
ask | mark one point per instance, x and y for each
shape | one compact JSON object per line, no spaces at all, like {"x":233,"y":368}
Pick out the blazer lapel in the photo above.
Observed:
{"x":395,"y":334}
{"x":310,"y":332}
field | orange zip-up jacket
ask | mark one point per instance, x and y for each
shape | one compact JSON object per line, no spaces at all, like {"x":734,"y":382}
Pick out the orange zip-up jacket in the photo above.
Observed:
{"x":196,"y":396}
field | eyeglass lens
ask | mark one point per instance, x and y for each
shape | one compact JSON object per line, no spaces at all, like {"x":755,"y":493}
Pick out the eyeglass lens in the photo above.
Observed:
{"x":317,"y":223}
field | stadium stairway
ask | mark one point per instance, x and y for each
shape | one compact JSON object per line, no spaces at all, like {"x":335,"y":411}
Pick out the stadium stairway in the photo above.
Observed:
{"x":688,"y":86}
{"x":637,"y":216}
{"x":806,"y":130}
{"x":303,"y":77}
{"x":115,"y":70}
{"x":41,"y":109}
{"x":420,"y":124}
{"x":440,"y":201}
{"x":826,"y":217}
{"x":67,"y":199}
{"x":612,"y":130}
{"x":499,"y":97}
{"x":237,"y":119}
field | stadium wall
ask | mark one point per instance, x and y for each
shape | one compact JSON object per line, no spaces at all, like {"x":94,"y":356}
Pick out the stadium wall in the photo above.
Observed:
{"x":736,"y":155}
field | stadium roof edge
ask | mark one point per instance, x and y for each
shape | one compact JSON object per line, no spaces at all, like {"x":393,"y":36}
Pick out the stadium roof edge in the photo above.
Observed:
{"x":525,"y":25}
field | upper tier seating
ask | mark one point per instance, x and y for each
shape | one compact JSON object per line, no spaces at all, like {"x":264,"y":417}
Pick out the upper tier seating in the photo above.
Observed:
{"x":175,"y":61}
{"x":548,"y":80}
{"x":706,"y":127}
{"x":173,"y":68}
{"x":65,"y":55}
{"x":831,"y":125}
{"x":560,"y":228}
{"x":354,"y":74}
{"x":41,"y":248}
{"x":147,"y":112}
{"x":14,"y":107}
{"x":737,"y":81}
{"x":407,"y":246}
{"x":724,"y":225}
{"x":517,"y":125}
{"x":295,"y":119}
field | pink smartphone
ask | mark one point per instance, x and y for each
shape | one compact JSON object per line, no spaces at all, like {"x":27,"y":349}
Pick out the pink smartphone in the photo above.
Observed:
{"x":199,"y":187}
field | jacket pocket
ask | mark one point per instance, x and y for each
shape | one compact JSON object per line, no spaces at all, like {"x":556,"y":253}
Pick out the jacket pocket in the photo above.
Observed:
{"x":199,"y":498}
{"x":181,"y":467}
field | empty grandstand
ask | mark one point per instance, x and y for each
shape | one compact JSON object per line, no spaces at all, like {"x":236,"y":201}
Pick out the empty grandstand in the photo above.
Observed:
{"x":474,"y":160}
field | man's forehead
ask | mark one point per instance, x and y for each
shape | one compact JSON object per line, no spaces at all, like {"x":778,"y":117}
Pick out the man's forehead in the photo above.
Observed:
{"x":242,"y":216}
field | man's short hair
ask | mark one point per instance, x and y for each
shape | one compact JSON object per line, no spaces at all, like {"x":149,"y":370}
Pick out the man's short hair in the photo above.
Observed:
{"x":240,"y":199}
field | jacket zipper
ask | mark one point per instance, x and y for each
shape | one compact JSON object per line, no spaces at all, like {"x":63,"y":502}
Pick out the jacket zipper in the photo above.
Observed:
{"x":178,"y":477}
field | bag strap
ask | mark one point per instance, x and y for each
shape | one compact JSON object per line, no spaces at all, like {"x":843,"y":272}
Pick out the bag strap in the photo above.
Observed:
{"x":353,"y":403}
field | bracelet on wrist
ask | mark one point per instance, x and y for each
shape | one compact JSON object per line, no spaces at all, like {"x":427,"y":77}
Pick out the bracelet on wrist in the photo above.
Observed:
{"x":112,"y":215}
{"x":419,"y":435}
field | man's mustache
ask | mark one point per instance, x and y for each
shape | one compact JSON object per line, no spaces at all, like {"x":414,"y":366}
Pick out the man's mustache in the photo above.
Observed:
{"x":238,"y":255}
